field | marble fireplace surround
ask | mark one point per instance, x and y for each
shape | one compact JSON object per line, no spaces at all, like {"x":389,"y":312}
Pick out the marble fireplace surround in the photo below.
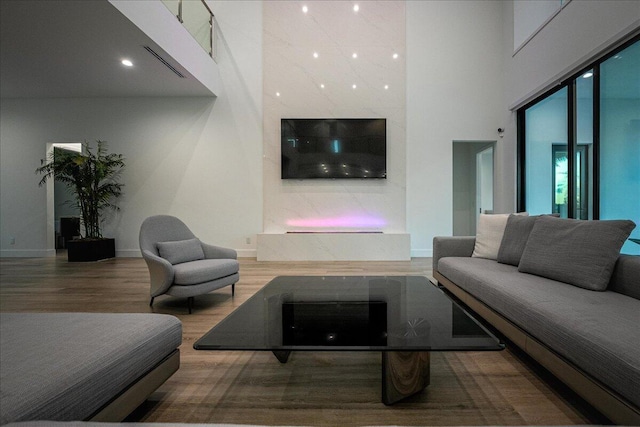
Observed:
{"x":310,"y":72}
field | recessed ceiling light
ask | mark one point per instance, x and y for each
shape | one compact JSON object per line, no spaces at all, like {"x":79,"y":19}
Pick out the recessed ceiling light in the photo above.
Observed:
{"x":356,"y":8}
{"x":354,"y":56}
{"x":587,"y":75}
{"x":395,"y":56}
{"x":386,"y":87}
{"x":305,"y":9}
{"x":277,"y":93}
{"x":315,"y":54}
{"x":354,"y":86}
{"x":127,"y":63}
{"x":321,"y":85}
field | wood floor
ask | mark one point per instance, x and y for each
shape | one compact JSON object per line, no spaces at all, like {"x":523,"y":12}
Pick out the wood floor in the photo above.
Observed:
{"x":327,"y":388}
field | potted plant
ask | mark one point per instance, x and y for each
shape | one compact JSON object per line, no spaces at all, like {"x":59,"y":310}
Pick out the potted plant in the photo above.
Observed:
{"x":92,"y":176}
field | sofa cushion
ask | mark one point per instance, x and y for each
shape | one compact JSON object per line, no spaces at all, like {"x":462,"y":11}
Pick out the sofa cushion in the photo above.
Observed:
{"x":66,"y":366}
{"x":578,"y":252}
{"x":205,"y":270}
{"x":596,"y":331}
{"x":489,"y":235}
{"x":180,"y":251}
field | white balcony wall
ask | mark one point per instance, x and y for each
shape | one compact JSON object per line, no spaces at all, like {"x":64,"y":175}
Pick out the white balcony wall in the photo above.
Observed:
{"x":161,"y":25}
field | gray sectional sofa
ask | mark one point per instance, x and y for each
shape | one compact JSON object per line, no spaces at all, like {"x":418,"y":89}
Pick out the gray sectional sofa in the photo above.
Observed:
{"x":585,"y":331}
{"x":83,"y":366}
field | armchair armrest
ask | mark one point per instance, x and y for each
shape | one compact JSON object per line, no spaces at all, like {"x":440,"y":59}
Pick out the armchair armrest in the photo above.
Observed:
{"x":218,"y":252}
{"x":161,"y":272}
{"x":452,"y":246}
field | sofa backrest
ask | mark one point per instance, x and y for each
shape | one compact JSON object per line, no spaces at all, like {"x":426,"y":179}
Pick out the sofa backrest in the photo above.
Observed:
{"x":626,"y":276}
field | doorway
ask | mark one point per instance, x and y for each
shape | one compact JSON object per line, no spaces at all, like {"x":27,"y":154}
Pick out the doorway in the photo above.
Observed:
{"x":560,"y":181}
{"x":473,"y":182}
{"x":63,"y":220}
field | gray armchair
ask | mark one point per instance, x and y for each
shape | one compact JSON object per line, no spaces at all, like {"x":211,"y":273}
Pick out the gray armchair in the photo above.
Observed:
{"x":182,"y":266}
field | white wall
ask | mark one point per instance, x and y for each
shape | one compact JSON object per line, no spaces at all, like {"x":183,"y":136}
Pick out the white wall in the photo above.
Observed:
{"x":197,"y":158}
{"x":157,"y":22}
{"x":202,"y":159}
{"x":578,"y":33}
{"x":334,"y":31}
{"x":454,"y":92}
{"x":529,"y":16}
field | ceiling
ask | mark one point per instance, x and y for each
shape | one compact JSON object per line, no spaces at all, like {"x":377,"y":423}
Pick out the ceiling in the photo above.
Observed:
{"x":67,"y":48}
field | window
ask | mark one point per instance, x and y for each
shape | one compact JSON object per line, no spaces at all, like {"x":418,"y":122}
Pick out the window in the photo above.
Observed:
{"x":546,"y":136}
{"x":620,"y":140}
{"x":579,"y":145}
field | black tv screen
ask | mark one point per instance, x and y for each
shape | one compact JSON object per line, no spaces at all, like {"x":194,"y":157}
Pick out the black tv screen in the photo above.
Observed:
{"x":334,"y":148}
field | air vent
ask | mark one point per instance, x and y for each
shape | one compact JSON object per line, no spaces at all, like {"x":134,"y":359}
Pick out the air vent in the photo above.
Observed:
{"x":164,"y":61}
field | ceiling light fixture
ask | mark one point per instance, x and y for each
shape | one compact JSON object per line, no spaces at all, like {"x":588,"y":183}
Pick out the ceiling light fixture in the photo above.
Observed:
{"x":315,"y":54}
{"x":127,"y":63}
{"x":354,"y":56}
{"x":321,"y":85}
{"x":277,"y":93}
{"x":305,"y":9}
{"x":587,"y":74}
{"x":386,"y":87}
{"x":395,"y":56}
{"x":356,"y":8}
{"x":354,"y":86}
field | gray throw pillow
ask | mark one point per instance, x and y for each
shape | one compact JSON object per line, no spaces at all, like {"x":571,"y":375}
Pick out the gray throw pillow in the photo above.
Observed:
{"x":578,"y":252}
{"x":514,"y":240}
{"x":180,"y":251}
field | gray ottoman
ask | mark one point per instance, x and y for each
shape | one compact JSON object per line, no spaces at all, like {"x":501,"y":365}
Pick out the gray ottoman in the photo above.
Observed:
{"x":83,"y":366}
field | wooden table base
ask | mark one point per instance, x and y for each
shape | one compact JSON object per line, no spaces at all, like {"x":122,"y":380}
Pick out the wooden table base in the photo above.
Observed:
{"x":404,"y":373}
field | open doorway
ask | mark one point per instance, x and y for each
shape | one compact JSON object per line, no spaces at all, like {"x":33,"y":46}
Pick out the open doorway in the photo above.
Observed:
{"x":473,"y":182}
{"x":63,"y":219}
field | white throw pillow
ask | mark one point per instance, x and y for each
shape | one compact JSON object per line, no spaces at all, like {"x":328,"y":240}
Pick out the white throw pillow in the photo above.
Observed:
{"x":489,"y":234}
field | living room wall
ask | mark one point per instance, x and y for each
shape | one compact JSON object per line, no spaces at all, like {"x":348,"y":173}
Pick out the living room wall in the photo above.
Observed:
{"x":581,"y":31}
{"x":461,"y":79}
{"x":299,"y":85}
{"x":197,"y":158}
{"x":454,"y":93}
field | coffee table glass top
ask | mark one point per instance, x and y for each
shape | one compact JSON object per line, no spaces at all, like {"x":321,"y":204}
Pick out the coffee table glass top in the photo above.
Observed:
{"x":379,"y":313}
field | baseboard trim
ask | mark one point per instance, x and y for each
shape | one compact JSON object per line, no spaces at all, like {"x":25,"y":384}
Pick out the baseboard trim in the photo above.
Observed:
{"x":247,"y":253}
{"x":135,"y":253}
{"x":27,"y":253}
{"x":421,"y":253}
{"x":128,"y":253}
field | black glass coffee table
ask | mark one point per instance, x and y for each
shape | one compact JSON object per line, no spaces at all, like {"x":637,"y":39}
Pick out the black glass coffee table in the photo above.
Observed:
{"x":404,"y":317}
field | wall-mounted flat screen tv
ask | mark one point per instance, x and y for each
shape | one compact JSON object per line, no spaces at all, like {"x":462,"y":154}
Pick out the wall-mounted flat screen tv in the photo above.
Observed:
{"x":334,"y":148}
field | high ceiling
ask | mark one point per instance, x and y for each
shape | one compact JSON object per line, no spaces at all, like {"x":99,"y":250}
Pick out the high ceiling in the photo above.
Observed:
{"x":67,"y":48}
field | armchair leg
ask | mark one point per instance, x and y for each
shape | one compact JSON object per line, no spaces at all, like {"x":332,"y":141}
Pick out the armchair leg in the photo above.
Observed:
{"x":151,"y":302}
{"x":233,"y":289}
{"x":190,"y":303}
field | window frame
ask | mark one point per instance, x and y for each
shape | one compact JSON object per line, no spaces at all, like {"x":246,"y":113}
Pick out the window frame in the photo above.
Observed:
{"x":570,"y":84}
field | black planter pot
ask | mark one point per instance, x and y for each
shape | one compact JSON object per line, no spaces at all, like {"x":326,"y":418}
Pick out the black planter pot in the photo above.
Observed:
{"x":86,"y":250}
